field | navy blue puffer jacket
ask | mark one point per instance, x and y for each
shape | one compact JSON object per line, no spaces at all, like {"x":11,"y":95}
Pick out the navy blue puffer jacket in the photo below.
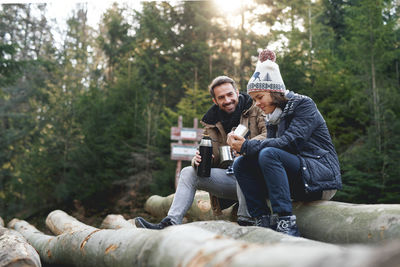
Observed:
{"x":302,"y":131}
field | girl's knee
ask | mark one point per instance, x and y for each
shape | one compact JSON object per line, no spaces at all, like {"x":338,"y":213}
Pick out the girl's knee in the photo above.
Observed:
{"x":268,"y":154}
{"x":237,"y":164}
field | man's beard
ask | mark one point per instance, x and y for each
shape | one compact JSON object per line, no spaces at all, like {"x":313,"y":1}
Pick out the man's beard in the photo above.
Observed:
{"x":233,"y":103}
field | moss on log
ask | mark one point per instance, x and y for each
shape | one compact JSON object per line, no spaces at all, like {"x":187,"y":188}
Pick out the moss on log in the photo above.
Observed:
{"x":326,"y":221}
{"x":15,"y":251}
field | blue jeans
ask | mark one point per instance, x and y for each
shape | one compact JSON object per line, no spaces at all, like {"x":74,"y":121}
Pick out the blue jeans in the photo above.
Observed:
{"x":273,"y":174}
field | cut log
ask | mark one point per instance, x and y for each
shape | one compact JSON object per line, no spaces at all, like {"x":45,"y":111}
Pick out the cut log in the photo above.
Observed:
{"x":326,"y":221}
{"x":200,"y":210}
{"x":60,"y":222}
{"x":15,"y":250}
{"x":187,"y":245}
{"x":338,"y":222}
{"x":116,"y":221}
{"x":233,"y":230}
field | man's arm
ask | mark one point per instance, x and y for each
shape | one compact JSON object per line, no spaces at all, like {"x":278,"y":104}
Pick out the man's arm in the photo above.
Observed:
{"x":260,"y":125}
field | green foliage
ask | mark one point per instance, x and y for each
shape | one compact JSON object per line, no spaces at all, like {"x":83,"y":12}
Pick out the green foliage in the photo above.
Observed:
{"x":9,"y":68}
{"x":163,"y":177}
{"x":97,"y":109}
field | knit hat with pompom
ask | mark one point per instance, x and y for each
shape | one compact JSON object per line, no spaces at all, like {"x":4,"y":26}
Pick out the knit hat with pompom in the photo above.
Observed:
{"x":267,"y":76}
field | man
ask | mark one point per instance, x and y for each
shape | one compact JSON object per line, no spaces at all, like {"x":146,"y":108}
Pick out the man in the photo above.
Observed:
{"x":229,"y":110}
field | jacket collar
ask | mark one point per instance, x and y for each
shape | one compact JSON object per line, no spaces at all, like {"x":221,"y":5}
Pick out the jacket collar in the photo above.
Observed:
{"x":292,"y":103}
{"x":211,"y":116}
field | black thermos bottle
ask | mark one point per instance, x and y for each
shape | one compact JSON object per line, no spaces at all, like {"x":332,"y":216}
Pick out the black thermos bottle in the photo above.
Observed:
{"x":205,"y":149}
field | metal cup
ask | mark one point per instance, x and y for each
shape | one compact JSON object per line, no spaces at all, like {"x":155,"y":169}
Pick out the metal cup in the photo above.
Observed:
{"x":241,"y":130}
{"x":225,"y":155}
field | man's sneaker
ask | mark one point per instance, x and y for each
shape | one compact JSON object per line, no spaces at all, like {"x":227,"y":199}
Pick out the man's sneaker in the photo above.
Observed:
{"x":142,"y":223}
{"x":287,"y":225}
{"x":245,"y":221}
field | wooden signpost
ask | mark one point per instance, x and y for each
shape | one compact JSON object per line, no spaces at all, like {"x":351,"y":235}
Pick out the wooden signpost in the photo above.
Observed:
{"x":184,"y":151}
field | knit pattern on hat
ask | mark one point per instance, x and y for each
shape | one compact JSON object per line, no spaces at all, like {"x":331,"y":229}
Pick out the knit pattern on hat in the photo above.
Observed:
{"x":267,"y":76}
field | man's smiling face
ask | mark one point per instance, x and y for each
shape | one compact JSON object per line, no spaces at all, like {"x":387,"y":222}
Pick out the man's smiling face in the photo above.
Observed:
{"x":226,"y":97}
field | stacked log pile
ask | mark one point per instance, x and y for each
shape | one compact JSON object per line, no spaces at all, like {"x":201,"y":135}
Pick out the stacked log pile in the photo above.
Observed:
{"x":190,"y":245}
{"x":221,"y":243}
{"x":326,"y":221}
{"x":15,"y":250}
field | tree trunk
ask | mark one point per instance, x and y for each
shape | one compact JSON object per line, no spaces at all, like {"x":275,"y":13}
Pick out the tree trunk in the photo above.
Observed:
{"x":113,"y":221}
{"x":340,"y":222}
{"x":256,"y":235}
{"x":15,"y":250}
{"x":336,"y":222}
{"x":188,"y":245}
{"x":199,"y":211}
{"x":1,"y":222}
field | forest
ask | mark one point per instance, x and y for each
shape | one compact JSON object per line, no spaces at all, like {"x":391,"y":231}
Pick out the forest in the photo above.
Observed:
{"x":84,"y":114}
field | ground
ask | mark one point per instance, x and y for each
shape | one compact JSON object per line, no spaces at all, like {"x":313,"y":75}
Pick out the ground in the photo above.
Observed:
{"x":122,"y":199}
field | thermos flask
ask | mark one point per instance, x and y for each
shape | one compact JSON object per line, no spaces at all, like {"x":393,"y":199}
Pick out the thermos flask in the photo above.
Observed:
{"x":205,"y":149}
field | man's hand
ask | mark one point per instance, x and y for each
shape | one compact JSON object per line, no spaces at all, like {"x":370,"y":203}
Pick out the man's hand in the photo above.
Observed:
{"x":197,"y":159}
{"x":235,"y":141}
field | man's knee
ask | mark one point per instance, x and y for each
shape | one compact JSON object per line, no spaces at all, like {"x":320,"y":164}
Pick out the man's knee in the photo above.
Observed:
{"x":188,"y":174}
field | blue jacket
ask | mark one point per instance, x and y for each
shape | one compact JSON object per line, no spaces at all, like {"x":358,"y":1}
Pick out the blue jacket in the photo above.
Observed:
{"x":302,"y":131}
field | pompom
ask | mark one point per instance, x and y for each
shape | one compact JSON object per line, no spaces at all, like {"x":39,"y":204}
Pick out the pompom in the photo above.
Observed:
{"x":267,"y":54}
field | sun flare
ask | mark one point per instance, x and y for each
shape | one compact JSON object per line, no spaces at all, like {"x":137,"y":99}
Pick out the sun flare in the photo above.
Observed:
{"x":229,"y":6}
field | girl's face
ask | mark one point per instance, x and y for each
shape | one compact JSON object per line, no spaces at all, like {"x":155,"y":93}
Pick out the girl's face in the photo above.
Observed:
{"x":263,"y":100}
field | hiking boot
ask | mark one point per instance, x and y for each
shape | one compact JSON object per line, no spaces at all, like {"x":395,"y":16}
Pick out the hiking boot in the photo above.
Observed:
{"x":263,"y":221}
{"x":267,"y":221}
{"x":287,"y":225}
{"x":273,"y":221}
{"x":142,"y":223}
{"x":245,"y":221}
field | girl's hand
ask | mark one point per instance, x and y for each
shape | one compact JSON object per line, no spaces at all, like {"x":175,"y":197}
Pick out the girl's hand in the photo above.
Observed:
{"x":235,"y":141}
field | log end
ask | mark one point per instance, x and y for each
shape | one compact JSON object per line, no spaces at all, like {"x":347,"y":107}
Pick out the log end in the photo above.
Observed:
{"x":11,"y":224}
{"x":23,"y":263}
{"x":116,"y":221}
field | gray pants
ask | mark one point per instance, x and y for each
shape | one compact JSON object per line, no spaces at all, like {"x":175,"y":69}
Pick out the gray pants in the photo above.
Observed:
{"x":219,"y":184}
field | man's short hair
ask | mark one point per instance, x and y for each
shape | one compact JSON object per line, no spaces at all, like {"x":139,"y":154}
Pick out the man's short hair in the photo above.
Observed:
{"x":218,"y":81}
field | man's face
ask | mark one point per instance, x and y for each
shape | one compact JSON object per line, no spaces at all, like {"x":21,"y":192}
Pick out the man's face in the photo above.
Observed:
{"x":226,"y":97}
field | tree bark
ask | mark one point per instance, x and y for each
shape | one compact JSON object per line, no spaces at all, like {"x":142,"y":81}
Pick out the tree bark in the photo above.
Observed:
{"x":338,"y":222}
{"x":59,"y":222}
{"x":256,"y":235}
{"x":188,"y":245}
{"x":115,"y":221}
{"x":199,"y":211}
{"x":326,"y":221}
{"x":15,"y":250}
